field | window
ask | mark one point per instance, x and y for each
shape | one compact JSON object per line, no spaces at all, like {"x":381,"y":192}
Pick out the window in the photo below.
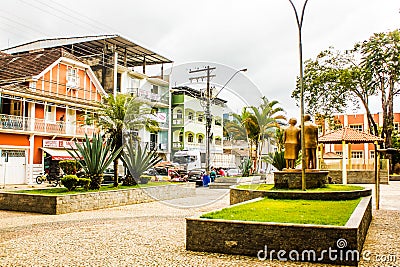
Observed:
{"x":178,"y":114}
{"x":339,"y":153}
{"x":190,"y":138}
{"x":200,"y":139}
{"x":16,"y":108}
{"x":181,"y":137}
{"x":200,"y":118}
{"x":72,"y":77}
{"x":357,"y":154}
{"x":396,"y":127}
{"x":154,"y":89}
{"x":358,"y":127}
{"x":372,"y":154}
{"x":190,"y":116}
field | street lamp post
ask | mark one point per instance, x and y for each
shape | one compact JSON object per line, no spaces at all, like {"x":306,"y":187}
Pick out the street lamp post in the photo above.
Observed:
{"x":303,"y":148}
{"x":207,"y":107}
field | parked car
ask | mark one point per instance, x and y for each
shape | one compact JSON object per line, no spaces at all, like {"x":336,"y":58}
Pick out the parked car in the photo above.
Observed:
{"x":108,"y":176}
{"x":233,"y":172}
{"x":196,"y":175}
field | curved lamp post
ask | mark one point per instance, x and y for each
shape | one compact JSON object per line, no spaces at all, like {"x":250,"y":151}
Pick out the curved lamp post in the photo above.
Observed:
{"x":299,"y":21}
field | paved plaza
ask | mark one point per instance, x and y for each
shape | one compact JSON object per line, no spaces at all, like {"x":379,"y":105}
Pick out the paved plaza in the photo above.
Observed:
{"x":153,"y":234}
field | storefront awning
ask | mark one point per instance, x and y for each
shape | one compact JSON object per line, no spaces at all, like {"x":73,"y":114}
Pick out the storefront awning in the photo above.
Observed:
{"x":58,"y":154}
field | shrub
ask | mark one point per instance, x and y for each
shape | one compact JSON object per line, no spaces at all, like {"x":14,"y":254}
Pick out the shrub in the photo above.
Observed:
{"x":70,"y":181}
{"x":68,"y":166}
{"x":84,"y":182}
{"x":396,"y":168}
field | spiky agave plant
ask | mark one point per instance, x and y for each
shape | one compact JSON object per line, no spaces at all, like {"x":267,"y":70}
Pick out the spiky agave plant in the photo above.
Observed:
{"x":94,"y":156}
{"x":137,"y":160}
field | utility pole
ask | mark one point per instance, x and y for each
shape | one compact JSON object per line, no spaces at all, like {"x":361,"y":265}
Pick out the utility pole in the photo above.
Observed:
{"x":207,"y":111}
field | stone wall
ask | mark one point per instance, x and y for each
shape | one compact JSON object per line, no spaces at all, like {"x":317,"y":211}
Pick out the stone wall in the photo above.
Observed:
{"x":238,"y":195}
{"x":359,"y":176}
{"x":92,"y":200}
{"x":260,"y":239}
{"x":291,"y":179}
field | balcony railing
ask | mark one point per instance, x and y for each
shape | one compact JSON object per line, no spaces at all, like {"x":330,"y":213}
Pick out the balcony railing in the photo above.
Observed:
{"x":162,"y":98}
{"x":19,"y":123}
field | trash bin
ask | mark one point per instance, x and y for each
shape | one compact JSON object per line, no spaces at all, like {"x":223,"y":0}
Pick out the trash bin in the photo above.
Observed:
{"x":206,"y":180}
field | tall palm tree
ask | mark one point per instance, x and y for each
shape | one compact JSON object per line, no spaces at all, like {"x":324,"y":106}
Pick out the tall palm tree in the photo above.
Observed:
{"x":124,"y":112}
{"x":249,"y":123}
{"x":267,"y":117}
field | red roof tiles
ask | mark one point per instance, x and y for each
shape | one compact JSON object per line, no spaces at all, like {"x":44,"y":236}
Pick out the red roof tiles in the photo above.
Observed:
{"x":349,"y":136}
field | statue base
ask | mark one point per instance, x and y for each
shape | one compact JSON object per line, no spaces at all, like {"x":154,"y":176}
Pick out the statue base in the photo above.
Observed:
{"x":291,"y":179}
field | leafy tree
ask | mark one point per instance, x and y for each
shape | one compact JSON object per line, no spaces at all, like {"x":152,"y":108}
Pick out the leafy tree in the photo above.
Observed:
{"x":371,"y":68}
{"x":137,"y":160}
{"x":96,"y":155}
{"x":123,"y":112}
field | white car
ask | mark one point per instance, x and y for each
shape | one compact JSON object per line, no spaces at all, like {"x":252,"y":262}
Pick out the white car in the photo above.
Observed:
{"x":233,"y":172}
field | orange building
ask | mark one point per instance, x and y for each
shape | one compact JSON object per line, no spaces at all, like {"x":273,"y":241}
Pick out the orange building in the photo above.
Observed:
{"x":44,"y":97}
{"x":361,"y":154}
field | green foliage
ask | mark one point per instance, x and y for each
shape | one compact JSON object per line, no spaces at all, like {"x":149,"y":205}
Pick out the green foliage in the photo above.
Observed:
{"x":70,"y":181}
{"x":245,"y":167}
{"x":84,"y":182}
{"x":68,"y":166}
{"x":97,"y":155}
{"x":320,"y":212}
{"x":137,"y":160}
{"x":276,"y":159}
{"x":124,"y":112}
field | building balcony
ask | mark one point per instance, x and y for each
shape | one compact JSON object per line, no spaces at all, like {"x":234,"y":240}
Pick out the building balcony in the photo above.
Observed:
{"x":18,"y":124}
{"x":147,"y":95}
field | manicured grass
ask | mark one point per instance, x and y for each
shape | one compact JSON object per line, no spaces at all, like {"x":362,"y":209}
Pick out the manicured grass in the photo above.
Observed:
{"x":327,"y":188}
{"x":79,"y":190}
{"x":290,"y":211}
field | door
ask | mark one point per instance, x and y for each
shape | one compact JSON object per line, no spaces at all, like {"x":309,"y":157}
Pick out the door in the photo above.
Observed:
{"x":13,"y":171}
{"x":71,"y":121}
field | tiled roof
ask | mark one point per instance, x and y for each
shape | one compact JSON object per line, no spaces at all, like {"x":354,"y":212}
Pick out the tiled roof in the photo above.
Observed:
{"x":29,"y":64}
{"x":349,"y":136}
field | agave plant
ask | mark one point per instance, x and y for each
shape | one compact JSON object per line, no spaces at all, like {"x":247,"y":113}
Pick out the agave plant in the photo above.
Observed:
{"x":246,"y":166}
{"x":94,"y":156}
{"x":137,"y":160}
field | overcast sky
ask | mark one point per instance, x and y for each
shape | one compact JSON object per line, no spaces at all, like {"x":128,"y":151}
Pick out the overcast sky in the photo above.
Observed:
{"x":260,"y":35}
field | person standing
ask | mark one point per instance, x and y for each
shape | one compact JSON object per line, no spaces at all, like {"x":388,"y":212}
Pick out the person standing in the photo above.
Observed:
{"x":291,"y":139}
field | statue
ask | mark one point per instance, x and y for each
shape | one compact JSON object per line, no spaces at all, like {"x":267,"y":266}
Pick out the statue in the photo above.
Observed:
{"x":311,"y":142}
{"x":291,"y":138}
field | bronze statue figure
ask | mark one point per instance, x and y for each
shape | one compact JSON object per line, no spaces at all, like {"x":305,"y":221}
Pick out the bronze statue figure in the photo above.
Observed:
{"x":291,"y":139}
{"x":311,"y":142}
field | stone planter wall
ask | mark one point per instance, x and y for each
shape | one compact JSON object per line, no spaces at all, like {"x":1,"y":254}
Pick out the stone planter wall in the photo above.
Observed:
{"x":258,"y":239}
{"x":92,"y":200}
{"x":359,"y":176}
{"x":238,"y":195}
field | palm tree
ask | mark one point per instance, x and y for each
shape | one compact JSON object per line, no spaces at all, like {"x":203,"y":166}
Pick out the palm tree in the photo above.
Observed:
{"x":249,"y":123}
{"x":124,"y":112}
{"x":267,"y":116}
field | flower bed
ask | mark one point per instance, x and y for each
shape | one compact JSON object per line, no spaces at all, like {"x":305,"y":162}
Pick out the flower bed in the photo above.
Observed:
{"x":59,"y":204}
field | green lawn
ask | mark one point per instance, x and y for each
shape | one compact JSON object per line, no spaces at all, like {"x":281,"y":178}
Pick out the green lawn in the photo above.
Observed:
{"x":64,"y":191}
{"x":327,"y":188}
{"x":290,"y":211}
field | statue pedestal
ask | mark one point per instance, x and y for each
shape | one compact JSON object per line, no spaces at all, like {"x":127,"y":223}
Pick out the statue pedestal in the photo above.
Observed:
{"x":291,"y":179}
